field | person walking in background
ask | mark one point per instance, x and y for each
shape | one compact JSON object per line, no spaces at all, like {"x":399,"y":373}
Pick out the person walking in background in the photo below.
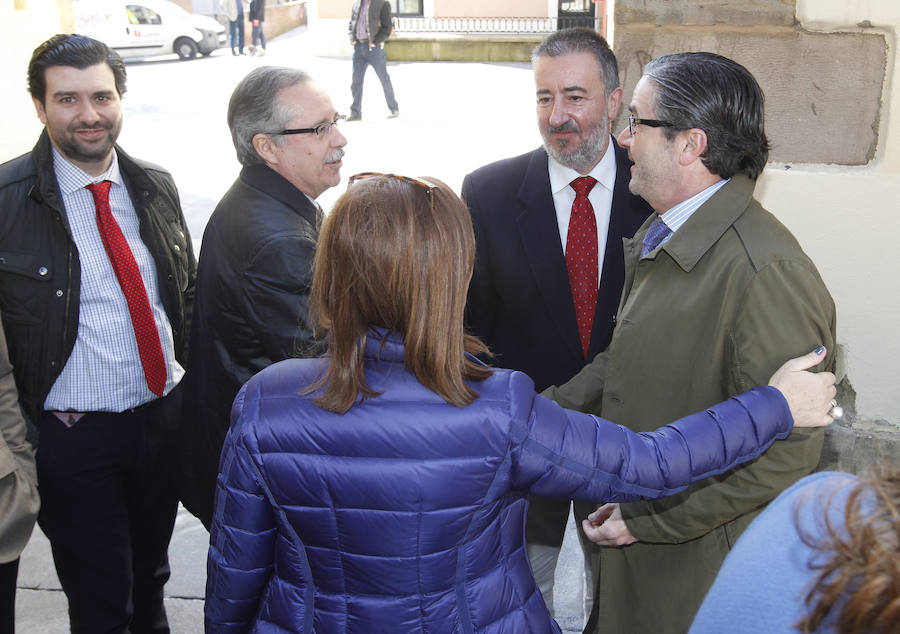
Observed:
{"x":532,"y":303}
{"x":256,"y":260}
{"x":234,"y":11}
{"x":370,"y":27}
{"x":716,"y":291}
{"x":383,"y":486}
{"x":96,"y":292}
{"x":257,"y":17}
{"x":19,"y":500}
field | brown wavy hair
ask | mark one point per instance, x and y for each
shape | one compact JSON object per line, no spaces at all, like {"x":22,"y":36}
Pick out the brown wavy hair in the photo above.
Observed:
{"x":397,"y":254}
{"x":861,"y":563}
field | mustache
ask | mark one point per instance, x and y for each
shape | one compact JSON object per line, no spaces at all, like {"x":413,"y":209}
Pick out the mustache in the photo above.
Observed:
{"x":568,"y":126}
{"x":102,"y":125}
{"x":335,"y":156}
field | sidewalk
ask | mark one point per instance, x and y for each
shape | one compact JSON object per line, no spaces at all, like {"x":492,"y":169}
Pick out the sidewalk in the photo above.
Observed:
{"x":454,"y":117}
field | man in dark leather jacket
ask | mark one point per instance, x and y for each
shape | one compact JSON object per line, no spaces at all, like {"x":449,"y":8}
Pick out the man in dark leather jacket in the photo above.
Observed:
{"x":256,"y":259}
{"x":73,"y":265}
{"x":39,"y":266}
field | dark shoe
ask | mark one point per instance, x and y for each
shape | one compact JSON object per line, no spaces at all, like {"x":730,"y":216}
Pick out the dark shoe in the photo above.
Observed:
{"x":394,"y":114}
{"x":354,"y":117}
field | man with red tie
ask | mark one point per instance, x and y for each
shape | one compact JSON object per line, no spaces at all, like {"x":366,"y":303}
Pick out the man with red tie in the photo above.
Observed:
{"x":549,"y":226}
{"x":96,"y":287}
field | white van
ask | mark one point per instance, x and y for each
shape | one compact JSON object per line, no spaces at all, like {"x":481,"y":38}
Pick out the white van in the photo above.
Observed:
{"x":140,"y":28}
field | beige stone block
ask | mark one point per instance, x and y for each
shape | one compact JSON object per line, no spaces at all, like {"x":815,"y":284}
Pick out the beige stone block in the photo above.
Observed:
{"x":707,"y":13}
{"x":823,"y":90}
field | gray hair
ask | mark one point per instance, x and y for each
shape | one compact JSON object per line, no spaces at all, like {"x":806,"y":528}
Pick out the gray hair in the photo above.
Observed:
{"x":719,"y":96}
{"x":254,"y":108}
{"x":582,"y":40}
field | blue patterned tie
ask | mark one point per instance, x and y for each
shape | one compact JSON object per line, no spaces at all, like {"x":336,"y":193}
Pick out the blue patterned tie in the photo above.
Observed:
{"x":656,"y":233}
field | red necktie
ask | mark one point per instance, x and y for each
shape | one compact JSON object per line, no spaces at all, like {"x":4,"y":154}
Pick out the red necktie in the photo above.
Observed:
{"x":581,"y":258}
{"x":129,"y":276}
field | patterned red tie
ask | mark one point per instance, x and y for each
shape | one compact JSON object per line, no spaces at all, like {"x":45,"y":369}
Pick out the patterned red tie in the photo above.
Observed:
{"x":581,"y":258}
{"x":129,"y":276}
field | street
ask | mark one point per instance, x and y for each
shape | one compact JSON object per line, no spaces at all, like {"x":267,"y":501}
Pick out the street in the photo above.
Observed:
{"x":454,"y":117}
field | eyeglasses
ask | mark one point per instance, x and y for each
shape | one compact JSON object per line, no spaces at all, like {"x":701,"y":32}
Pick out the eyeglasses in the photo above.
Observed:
{"x":322,"y":130}
{"x":634,"y":121}
{"x":429,"y":187}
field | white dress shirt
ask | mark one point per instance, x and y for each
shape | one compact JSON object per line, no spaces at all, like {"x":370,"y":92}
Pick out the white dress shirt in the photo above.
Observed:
{"x":600,"y":196}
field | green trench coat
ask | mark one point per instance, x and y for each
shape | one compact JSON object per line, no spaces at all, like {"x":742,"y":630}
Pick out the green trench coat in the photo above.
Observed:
{"x":713,"y":312}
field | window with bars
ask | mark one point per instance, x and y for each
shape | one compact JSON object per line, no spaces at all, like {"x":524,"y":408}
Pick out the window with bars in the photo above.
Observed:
{"x":407,"y":7}
{"x":575,"y":6}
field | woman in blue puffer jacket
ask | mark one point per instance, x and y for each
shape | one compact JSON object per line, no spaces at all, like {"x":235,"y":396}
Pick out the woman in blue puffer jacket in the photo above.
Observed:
{"x":383,"y":488}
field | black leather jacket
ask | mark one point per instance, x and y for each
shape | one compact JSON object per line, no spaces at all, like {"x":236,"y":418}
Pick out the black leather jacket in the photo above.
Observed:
{"x":252,"y":310}
{"x":40,"y":272}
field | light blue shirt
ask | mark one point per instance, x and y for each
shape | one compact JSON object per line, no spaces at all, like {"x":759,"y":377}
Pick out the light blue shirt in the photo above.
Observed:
{"x":679,"y":214}
{"x":104,"y":371}
{"x":763,"y":583}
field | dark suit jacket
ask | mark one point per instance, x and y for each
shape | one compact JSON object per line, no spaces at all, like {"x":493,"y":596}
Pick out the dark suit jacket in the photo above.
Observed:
{"x":519,"y":301}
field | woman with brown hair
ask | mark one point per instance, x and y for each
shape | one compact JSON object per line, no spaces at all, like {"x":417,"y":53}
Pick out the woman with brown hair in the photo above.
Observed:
{"x":382,"y":488}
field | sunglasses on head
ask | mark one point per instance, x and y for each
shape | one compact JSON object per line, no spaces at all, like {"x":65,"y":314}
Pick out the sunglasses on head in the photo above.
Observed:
{"x":420,"y":182}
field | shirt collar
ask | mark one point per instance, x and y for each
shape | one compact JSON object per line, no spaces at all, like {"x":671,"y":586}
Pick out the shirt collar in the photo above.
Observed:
{"x":679,"y":214}
{"x":72,"y":178}
{"x":604,"y":171}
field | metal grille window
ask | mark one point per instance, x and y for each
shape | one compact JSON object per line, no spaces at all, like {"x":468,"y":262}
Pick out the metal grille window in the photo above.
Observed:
{"x":406,"y":7}
{"x":575,"y":6}
{"x":492,"y":25}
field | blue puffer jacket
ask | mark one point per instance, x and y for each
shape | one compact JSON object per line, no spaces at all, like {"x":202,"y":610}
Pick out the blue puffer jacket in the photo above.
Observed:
{"x":406,"y":514}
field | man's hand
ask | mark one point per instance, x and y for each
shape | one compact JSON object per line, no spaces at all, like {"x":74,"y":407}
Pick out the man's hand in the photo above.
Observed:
{"x":606,"y":527}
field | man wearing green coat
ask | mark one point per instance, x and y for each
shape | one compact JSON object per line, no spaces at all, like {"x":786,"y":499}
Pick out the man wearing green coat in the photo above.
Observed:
{"x":717,"y":292}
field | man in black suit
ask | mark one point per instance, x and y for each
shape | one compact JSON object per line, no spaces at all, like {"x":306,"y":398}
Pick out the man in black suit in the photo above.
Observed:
{"x":549,"y":263}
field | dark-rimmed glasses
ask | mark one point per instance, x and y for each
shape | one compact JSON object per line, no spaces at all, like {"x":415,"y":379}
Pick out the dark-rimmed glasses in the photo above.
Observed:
{"x":322,"y":130}
{"x":634,"y":121}
{"x":429,"y":187}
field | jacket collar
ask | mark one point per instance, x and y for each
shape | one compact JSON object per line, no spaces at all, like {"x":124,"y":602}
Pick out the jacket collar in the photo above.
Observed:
{"x":273,"y":184}
{"x":708,"y":224}
{"x":384,"y":345}
{"x":42,"y":157}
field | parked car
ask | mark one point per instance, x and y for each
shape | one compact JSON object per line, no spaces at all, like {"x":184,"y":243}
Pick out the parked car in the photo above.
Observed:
{"x":141,"y":28}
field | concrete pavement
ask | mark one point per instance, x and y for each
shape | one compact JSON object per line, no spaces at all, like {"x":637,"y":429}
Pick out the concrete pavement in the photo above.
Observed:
{"x":454,"y":117}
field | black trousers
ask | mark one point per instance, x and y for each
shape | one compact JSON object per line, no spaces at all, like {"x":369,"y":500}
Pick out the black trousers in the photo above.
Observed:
{"x":108,"y":507}
{"x":8,"y":573}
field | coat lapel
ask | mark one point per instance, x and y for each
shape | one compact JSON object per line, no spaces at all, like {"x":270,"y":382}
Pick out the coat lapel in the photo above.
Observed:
{"x":710,"y":222}
{"x":627,"y":214}
{"x":266,"y":179}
